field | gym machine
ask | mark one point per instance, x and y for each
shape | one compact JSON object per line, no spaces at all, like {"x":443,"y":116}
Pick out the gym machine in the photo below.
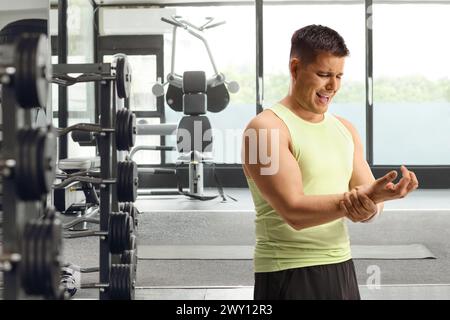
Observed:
{"x":193,"y":95}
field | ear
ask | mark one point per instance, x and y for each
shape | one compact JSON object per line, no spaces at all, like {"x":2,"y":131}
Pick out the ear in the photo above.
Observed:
{"x":293,"y":67}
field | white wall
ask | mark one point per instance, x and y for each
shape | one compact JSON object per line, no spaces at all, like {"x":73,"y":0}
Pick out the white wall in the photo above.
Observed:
{"x":22,"y":9}
{"x":12,"y":10}
{"x":134,"y":21}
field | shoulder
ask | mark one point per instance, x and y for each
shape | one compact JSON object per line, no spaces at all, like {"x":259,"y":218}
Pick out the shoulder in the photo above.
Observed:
{"x":267,"y":124}
{"x":346,"y":123}
{"x":350,"y":127}
{"x":267,"y":120}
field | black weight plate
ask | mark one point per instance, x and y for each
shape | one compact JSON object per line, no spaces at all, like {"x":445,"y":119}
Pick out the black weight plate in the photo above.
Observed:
{"x":134,"y":182}
{"x":134,"y":214}
{"x":121,"y":143}
{"x":43,"y":72}
{"x":21,"y":175}
{"x":130,"y":256}
{"x":29,"y":271}
{"x":121,"y":282}
{"x":26,"y":269}
{"x":217,"y":98}
{"x":36,"y":163}
{"x":121,"y":187}
{"x":117,"y":232}
{"x":22,"y":70}
{"x":123,"y":77}
{"x":32,"y":70}
{"x":124,"y":287}
{"x":126,"y":207}
{"x":117,"y":130}
{"x":125,"y":129}
{"x":36,"y":279}
{"x":128,"y":231}
{"x":39,"y":239}
{"x":130,"y":279}
{"x":25,"y":182}
{"x":128,"y":181}
{"x":114,"y":286}
{"x":32,"y":165}
{"x":44,"y":261}
{"x":131,"y":130}
{"x":126,"y":257}
{"x":130,"y":209}
{"x":113,"y":234}
{"x":174,"y":98}
{"x":122,"y":227}
{"x":48,"y":156}
{"x":54,"y":252}
{"x":48,"y":253}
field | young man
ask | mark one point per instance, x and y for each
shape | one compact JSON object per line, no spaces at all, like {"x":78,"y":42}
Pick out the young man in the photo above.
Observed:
{"x":306,"y":171}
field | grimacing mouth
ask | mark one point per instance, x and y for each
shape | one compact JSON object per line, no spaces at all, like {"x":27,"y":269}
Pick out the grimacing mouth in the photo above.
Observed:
{"x":323,"y":95}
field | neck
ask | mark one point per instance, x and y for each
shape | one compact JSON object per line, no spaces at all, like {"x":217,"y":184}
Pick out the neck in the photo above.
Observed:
{"x":300,"y":111}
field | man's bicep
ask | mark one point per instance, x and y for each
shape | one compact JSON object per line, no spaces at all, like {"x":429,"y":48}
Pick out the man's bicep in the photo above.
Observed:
{"x":278,"y":177}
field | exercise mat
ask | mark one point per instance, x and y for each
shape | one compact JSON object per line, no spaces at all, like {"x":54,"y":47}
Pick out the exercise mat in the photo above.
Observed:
{"x":212,"y":252}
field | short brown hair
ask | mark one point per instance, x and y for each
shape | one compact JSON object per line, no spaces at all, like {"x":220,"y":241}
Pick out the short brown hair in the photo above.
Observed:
{"x":309,"y":41}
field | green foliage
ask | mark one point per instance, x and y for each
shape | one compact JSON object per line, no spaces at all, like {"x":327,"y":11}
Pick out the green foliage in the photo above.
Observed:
{"x":415,"y":88}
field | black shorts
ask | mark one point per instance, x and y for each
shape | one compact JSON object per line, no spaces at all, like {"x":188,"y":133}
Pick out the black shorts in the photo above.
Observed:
{"x":325,"y":282}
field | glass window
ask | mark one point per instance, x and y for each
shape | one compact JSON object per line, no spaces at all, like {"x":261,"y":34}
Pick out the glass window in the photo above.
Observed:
{"x":348,"y":21}
{"x":411,"y":84}
{"x":143,"y":68}
{"x":144,"y":75}
{"x":81,"y":96}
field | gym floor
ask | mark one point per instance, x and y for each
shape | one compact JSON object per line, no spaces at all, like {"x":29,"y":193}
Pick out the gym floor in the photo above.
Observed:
{"x":422,"y":218}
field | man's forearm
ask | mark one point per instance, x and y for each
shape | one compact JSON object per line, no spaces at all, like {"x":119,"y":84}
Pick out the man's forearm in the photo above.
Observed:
{"x":310,"y":211}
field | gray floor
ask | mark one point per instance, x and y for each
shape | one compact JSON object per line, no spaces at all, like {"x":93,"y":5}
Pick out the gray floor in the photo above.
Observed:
{"x":423,"y":217}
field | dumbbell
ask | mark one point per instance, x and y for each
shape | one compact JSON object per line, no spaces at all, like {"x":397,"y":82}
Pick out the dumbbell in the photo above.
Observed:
{"x":119,"y":234}
{"x":132,"y":211}
{"x":121,"y":286}
{"x":123,"y":75}
{"x":26,"y":66}
{"x":39,"y":260}
{"x":34,"y":169}
{"x":130,"y":256}
{"x":127,"y":180}
{"x":125,"y":130}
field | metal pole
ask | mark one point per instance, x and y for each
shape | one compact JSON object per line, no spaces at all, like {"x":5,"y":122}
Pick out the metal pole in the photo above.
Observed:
{"x":105,"y":190}
{"x":259,"y":56}
{"x":369,"y":82}
{"x":63,"y":112}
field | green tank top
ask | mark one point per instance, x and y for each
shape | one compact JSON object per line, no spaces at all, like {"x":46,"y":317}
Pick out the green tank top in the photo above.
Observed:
{"x":324,"y":152}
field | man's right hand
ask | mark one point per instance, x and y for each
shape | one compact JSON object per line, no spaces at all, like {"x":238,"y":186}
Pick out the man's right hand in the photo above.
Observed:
{"x":383,"y":189}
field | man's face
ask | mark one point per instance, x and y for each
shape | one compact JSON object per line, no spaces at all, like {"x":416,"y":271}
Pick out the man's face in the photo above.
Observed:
{"x":315,"y":84}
